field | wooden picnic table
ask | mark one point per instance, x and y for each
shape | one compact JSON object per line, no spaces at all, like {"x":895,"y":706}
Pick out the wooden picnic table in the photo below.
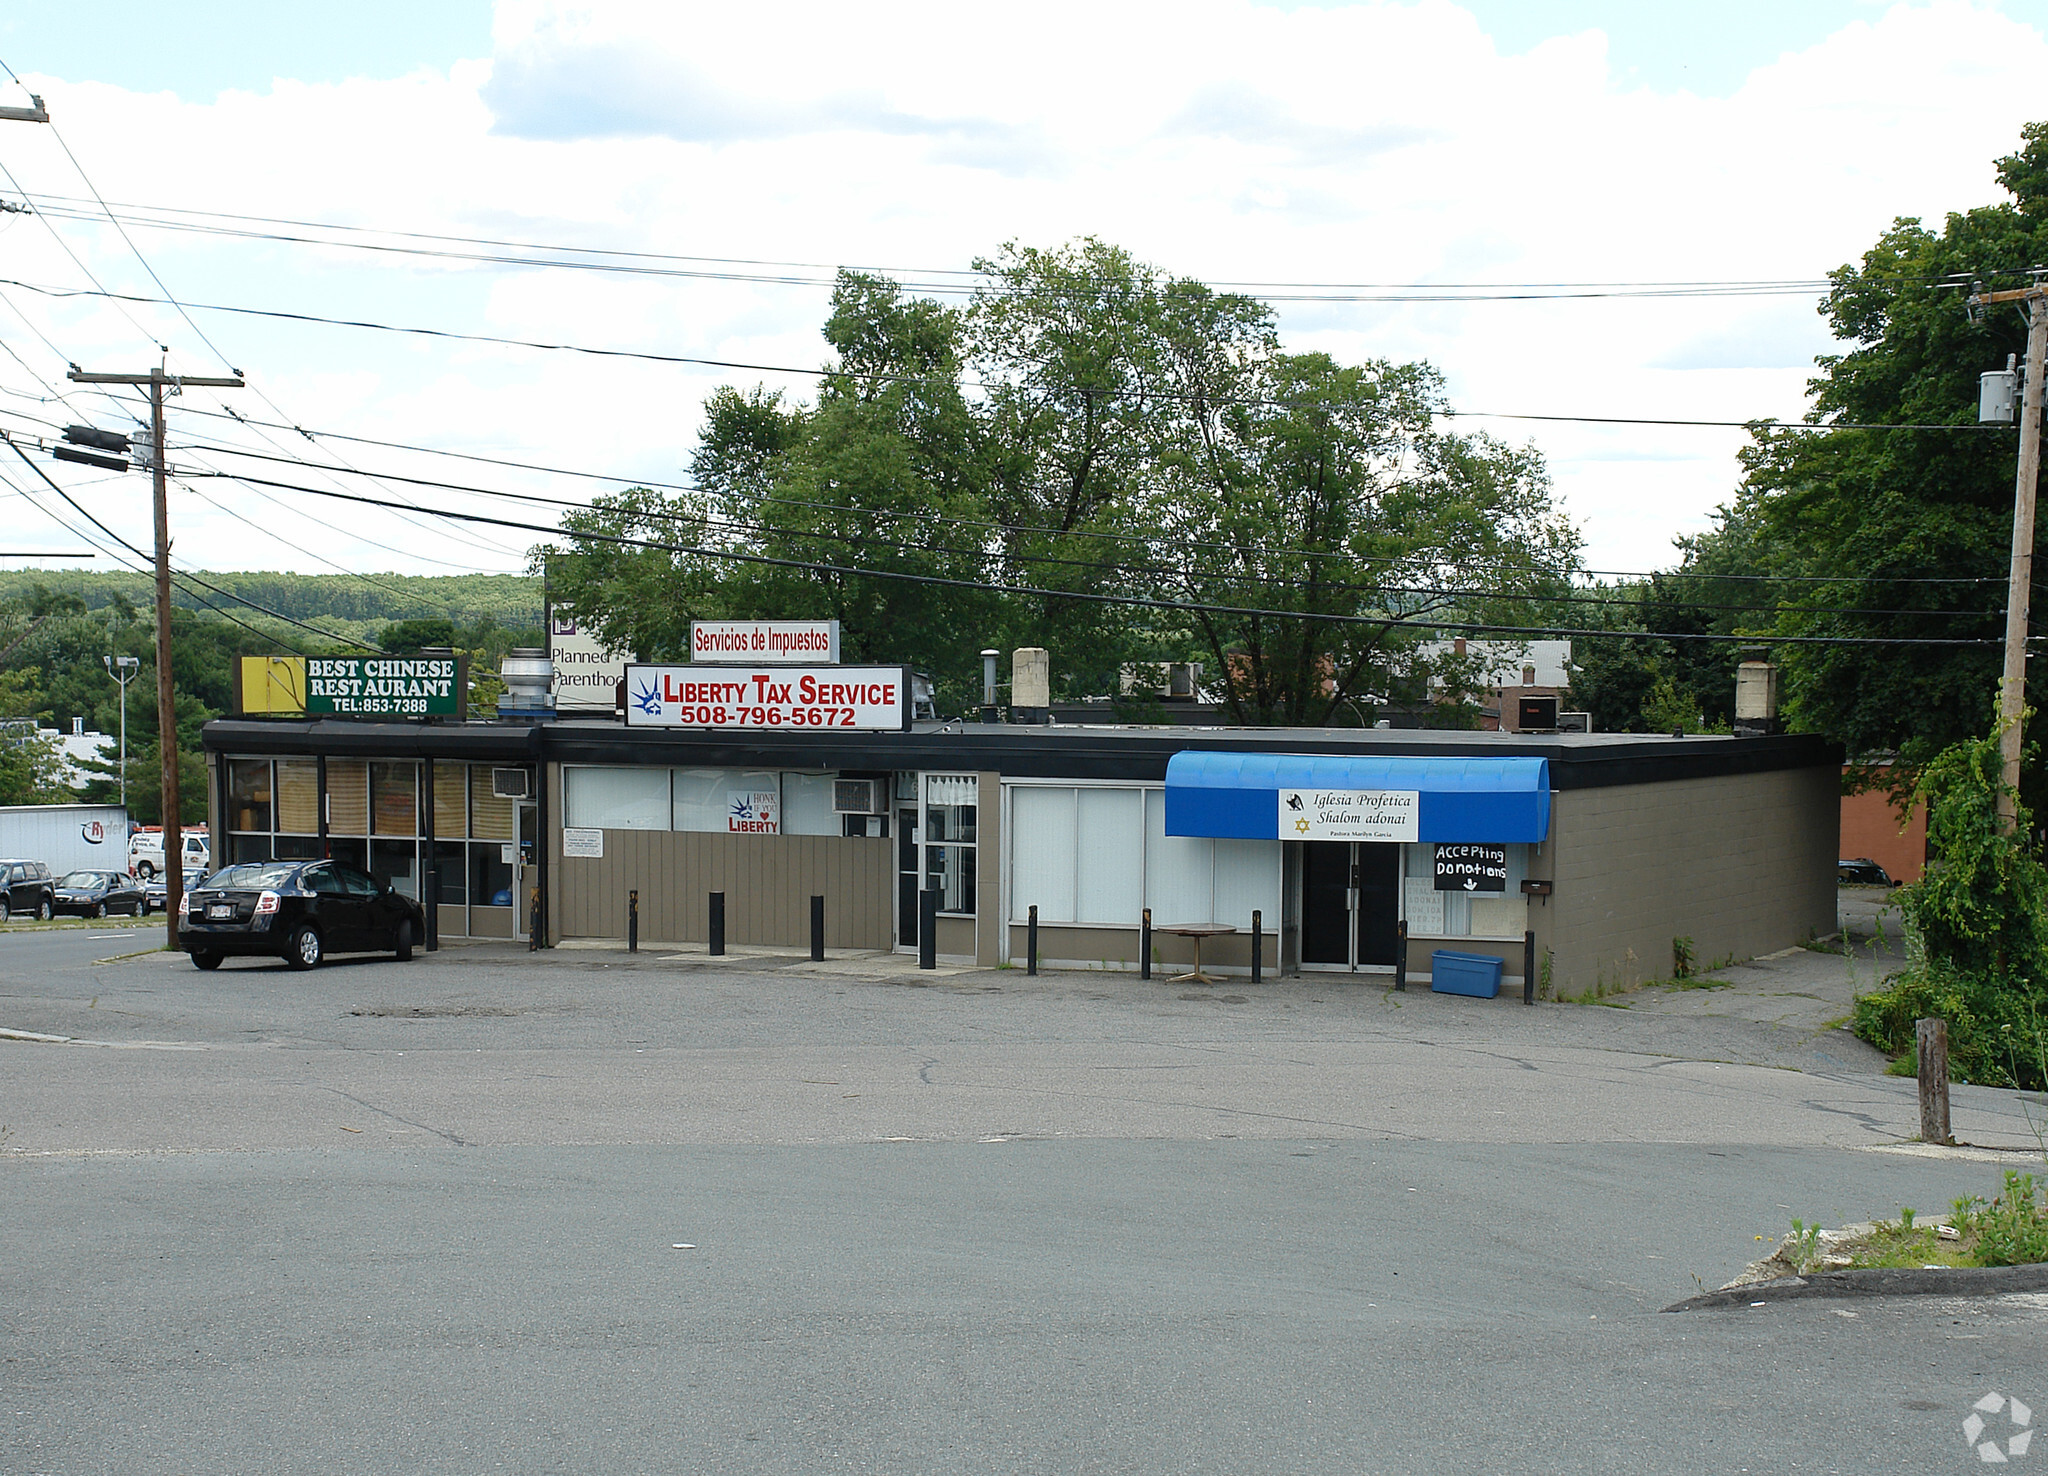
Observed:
{"x":1196,"y":931}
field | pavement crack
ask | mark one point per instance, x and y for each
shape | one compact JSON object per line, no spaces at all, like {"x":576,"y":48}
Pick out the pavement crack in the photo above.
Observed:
{"x":401,"y":1117}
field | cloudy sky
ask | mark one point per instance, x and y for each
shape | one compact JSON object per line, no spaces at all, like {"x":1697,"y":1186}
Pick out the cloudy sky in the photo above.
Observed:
{"x":1495,"y":142}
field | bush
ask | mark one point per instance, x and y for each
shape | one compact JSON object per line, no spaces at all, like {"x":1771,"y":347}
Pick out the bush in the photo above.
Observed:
{"x":1978,"y":923}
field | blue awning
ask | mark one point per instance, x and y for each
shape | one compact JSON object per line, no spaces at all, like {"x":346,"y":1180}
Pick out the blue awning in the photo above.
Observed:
{"x":1239,"y":795}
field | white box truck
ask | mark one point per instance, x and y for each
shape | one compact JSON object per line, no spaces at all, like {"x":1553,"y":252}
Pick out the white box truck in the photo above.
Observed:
{"x":66,"y":837}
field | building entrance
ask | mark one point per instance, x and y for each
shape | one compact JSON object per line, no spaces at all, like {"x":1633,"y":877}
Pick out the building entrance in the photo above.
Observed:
{"x":1350,"y":894}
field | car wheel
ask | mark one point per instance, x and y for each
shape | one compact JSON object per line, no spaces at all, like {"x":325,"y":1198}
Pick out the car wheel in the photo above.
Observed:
{"x":146,"y":872}
{"x":46,"y":910}
{"x":206,"y":960}
{"x":99,"y":909}
{"x":6,"y":910}
{"x":404,"y":945}
{"x":302,"y":949}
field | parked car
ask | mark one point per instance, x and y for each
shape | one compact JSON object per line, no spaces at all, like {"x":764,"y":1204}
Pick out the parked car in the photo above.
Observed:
{"x":1864,"y":872}
{"x":26,"y":887}
{"x":98,"y":893}
{"x":146,"y":852}
{"x":155,"y":892}
{"x":300,"y":911}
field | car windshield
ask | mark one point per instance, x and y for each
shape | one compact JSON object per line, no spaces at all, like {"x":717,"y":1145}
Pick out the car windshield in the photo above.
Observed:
{"x":84,"y":879}
{"x":253,"y":874}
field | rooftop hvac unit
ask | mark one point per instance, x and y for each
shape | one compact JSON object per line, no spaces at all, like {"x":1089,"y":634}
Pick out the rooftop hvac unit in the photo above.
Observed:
{"x":857,"y":796}
{"x":1575,"y":722}
{"x":511,"y":784}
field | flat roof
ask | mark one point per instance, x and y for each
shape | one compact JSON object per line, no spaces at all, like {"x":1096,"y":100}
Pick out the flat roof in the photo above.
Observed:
{"x":1053,"y":751}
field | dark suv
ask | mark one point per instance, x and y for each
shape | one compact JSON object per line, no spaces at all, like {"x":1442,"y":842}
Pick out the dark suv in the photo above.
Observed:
{"x":27,"y":887}
{"x":299,"y":911}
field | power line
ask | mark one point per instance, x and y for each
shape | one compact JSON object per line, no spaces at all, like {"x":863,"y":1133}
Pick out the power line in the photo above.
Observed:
{"x":889,"y":377}
{"x":728,"y":524}
{"x":1139,"y":601}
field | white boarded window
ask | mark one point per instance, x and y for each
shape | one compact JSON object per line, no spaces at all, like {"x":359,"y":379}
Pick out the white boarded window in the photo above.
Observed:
{"x":615,"y":799}
{"x":807,"y":805}
{"x":703,"y":797}
{"x":1247,"y":880}
{"x":1109,"y":867}
{"x":1042,"y":852}
{"x":1180,"y":870}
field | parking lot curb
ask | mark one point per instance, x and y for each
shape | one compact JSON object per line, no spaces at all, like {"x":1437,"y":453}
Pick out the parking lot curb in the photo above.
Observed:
{"x":1894,"y":1281}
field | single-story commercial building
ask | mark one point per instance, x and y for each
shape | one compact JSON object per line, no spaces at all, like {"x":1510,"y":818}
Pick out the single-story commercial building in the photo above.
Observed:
{"x":1606,"y":847}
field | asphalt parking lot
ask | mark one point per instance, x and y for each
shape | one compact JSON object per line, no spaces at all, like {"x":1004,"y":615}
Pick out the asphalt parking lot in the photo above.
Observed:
{"x":499,"y":1210}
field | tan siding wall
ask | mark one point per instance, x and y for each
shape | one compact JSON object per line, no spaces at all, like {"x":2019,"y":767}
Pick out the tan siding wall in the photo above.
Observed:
{"x":1743,"y":865}
{"x":1117,"y":948}
{"x":768,"y":881}
{"x":988,"y":872}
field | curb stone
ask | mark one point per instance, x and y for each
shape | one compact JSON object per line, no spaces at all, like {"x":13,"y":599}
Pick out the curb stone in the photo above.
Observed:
{"x":1894,"y":1281}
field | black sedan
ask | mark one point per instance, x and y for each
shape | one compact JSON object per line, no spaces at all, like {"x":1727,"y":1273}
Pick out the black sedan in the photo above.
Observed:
{"x":299,"y":911}
{"x":1862,"y":871}
{"x":99,"y":893}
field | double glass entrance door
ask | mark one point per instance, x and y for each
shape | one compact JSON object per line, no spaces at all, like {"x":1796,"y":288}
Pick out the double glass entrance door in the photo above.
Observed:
{"x":1350,"y":896}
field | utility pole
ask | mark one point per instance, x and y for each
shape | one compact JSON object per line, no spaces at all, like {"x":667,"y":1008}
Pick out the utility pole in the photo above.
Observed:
{"x":2012,"y":688}
{"x":166,"y":699}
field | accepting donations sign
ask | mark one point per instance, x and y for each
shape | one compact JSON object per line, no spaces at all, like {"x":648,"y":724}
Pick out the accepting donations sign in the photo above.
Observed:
{"x":352,"y":686}
{"x":871,"y":698}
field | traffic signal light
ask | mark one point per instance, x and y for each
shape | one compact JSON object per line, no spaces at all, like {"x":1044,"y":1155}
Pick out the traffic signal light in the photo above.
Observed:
{"x":100,"y":441}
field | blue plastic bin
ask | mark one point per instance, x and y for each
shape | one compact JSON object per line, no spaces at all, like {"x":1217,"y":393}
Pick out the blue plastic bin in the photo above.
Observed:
{"x":1476,"y":974}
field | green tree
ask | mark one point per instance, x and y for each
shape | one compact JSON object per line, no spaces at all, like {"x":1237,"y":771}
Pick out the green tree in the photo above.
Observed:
{"x":1899,"y":532}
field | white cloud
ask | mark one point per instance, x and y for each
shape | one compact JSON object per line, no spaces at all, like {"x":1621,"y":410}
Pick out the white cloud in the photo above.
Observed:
{"x":1367,"y":144}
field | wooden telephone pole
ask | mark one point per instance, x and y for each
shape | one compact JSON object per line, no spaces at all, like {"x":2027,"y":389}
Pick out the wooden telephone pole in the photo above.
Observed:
{"x":2012,"y":689}
{"x":166,"y":699}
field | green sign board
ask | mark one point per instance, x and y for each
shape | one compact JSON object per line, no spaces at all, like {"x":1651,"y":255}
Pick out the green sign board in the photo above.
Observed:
{"x":384,"y":686}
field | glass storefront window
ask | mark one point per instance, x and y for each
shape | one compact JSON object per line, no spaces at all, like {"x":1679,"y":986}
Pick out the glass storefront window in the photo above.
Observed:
{"x":394,"y":798}
{"x":451,"y":873}
{"x":248,"y":794}
{"x":348,"y":798}
{"x":393,"y":863}
{"x":451,"y":799}
{"x":298,"y":796}
{"x":490,"y":818}
{"x":490,"y":874}
{"x":950,"y":807}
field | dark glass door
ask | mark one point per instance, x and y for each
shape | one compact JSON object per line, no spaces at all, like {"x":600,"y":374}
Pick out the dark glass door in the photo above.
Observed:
{"x":1379,"y":903}
{"x":906,"y":876}
{"x":1326,"y":903}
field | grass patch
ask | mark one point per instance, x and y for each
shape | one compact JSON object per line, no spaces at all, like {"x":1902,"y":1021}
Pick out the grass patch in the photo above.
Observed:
{"x":2010,"y":1230}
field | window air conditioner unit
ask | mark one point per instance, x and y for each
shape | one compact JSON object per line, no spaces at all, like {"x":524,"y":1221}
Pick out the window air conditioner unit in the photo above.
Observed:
{"x":511,"y":784}
{"x":1536,"y":715}
{"x":856,"y":796}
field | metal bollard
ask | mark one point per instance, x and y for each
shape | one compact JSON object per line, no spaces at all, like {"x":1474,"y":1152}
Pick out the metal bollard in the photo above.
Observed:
{"x":1401,"y":955}
{"x":817,"y":930}
{"x":716,"y":947}
{"x":1258,"y":942}
{"x":1529,"y":967}
{"x":1031,"y":941}
{"x":633,"y":921}
{"x":1145,"y":944}
{"x":430,"y":904}
{"x":928,"y":930}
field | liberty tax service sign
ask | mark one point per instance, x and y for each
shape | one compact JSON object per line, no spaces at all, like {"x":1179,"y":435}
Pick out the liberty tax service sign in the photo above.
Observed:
{"x":1349,"y":814}
{"x":746,"y":641}
{"x":848,"y":698}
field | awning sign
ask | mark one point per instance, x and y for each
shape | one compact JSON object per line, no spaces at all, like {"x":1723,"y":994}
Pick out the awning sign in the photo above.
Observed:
{"x":1471,"y":868}
{"x":743,"y":642}
{"x":846,"y":698}
{"x":1348,"y":814}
